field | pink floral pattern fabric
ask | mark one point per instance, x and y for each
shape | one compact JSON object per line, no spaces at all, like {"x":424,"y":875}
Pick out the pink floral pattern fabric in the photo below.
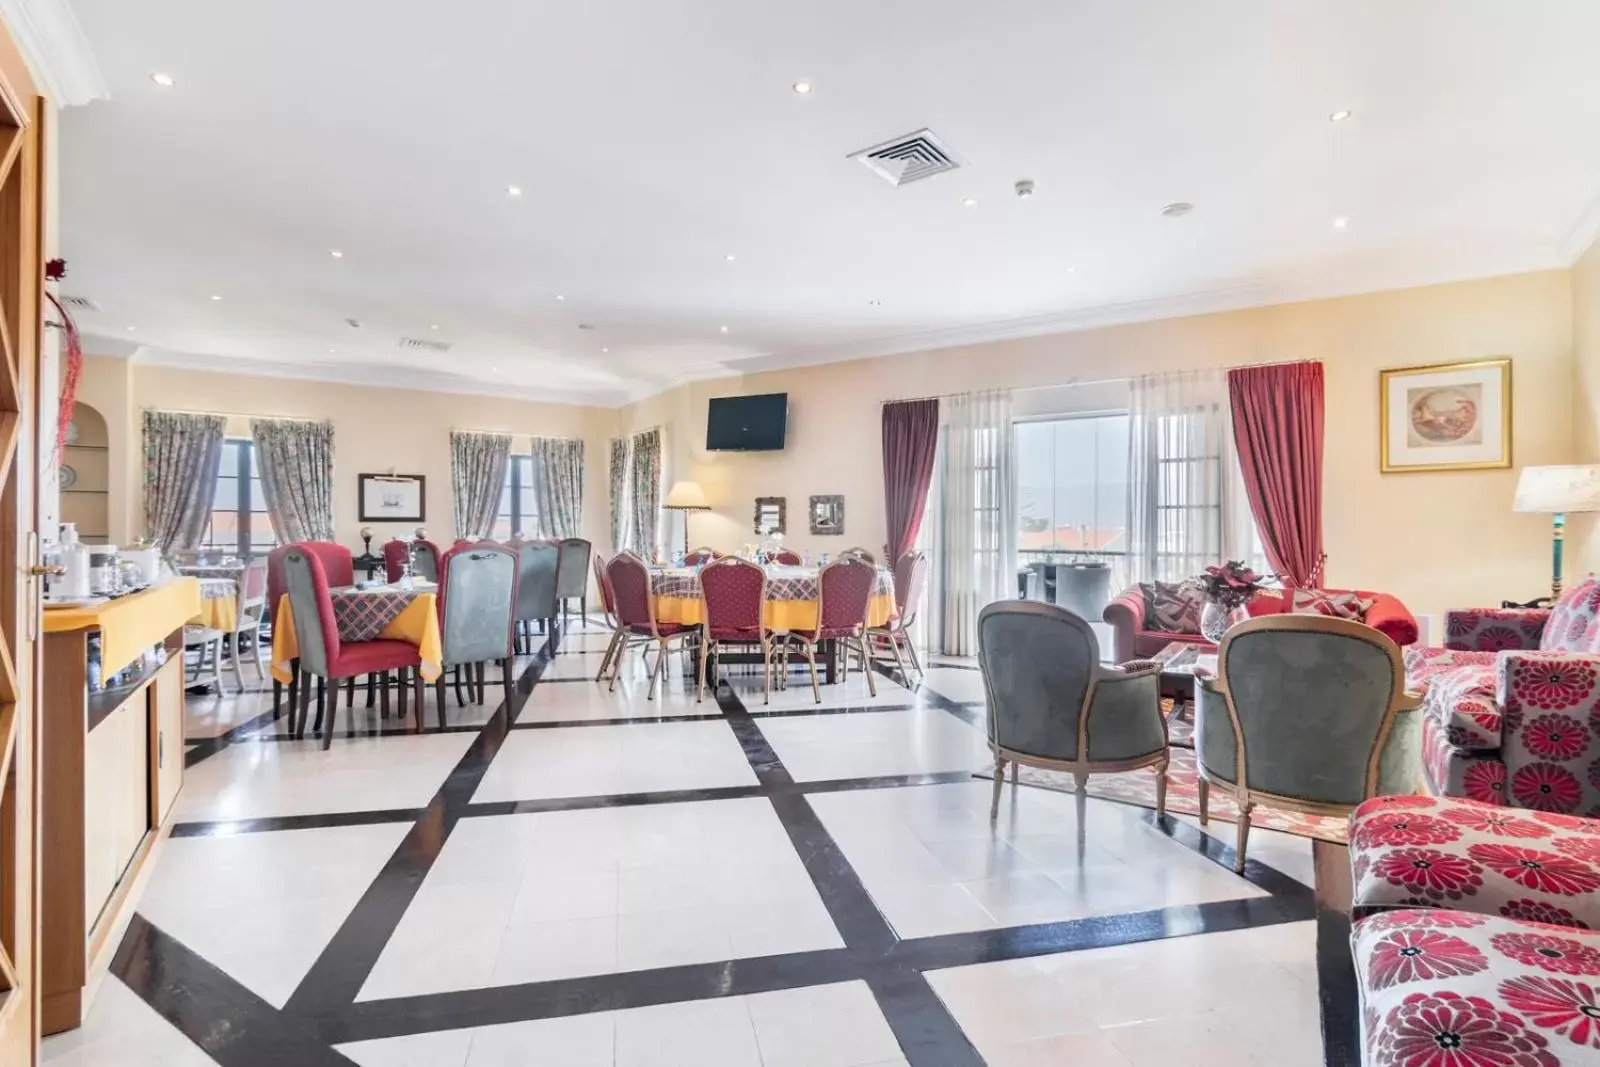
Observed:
{"x":1494,"y":629}
{"x":1444,"y":989}
{"x":1460,"y":772}
{"x":1550,"y":731}
{"x":1444,"y":852}
{"x":1425,"y":664}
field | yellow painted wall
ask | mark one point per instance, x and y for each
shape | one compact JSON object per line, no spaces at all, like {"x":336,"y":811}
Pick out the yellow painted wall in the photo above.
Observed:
{"x":1583,"y":535}
{"x":1435,"y":540}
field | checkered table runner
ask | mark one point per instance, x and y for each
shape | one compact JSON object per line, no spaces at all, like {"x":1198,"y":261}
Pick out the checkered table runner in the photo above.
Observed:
{"x":363,"y":613}
{"x":783,"y":583}
{"x":218,"y":588}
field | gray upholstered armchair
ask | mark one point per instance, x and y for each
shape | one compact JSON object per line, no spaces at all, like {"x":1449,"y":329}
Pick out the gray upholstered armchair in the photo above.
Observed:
{"x":1053,"y":704}
{"x":1307,"y":713}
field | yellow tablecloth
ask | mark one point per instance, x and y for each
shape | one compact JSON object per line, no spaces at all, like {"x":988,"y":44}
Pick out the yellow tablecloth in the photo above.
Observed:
{"x":128,"y":625}
{"x":219,"y":613}
{"x":418,"y":623}
{"x":778,"y":614}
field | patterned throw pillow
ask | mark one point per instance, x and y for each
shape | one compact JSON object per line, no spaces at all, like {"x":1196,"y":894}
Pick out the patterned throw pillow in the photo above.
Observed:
{"x":1171,"y":608}
{"x":1334,"y":605}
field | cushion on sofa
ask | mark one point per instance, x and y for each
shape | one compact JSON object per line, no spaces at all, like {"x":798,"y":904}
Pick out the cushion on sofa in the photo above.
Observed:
{"x":1451,"y":853}
{"x":1572,"y":625}
{"x":1171,"y":607}
{"x":1446,"y":989}
{"x":1335,"y":605}
{"x":1462,"y":700}
{"x":1423,"y":663}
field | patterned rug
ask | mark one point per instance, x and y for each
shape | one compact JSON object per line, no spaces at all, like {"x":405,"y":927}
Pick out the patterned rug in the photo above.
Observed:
{"x":1139,"y":788}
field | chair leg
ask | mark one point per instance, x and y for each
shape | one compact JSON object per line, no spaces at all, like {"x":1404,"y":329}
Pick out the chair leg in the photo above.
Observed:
{"x":350,"y":692}
{"x":766,"y":671}
{"x":866,"y":665}
{"x":656,"y":672}
{"x":372,"y":687}
{"x":1202,"y":790}
{"x":611,"y":650}
{"x":616,"y":661}
{"x":916,"y":661}
{"x":438,"y":691}
{"x":700,"y":688}
{"x":277,"y":698}
{"x":297,"y":728}
{"x":505,"y":682}
{"x":383,"y":697}
{"x":1244,"y":837}
{"x":811,"y":660}
{"x":333,"y":710}
{"x":1080,"y":784}
{"x":417,"y":694}
{"x":899,"y":664}
{"x":460,"y":700}
{"x":294,"y":690}
{"x":477,"y":670}
{"x":1015,"y":768}
{"x":403,"y":685}
{"x":233,"y":658}
{"x":999,"y":783}
{"x":1161,"y":790}
{"x":322,"y":694}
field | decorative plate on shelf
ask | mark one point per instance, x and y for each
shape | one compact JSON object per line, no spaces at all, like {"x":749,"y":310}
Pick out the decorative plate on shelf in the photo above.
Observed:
{"x":69,"y":477}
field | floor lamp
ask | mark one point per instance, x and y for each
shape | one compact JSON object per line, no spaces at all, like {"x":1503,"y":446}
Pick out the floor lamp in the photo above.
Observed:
{"x":686,"y":497}
{"x":1555,"y":491}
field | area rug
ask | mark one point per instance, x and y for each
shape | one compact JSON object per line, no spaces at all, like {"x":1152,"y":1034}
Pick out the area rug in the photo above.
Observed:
{"x":1139,"y":788}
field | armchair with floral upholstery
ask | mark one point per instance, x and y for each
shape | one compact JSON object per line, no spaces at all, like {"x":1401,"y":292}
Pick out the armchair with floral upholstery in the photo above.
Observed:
{"x":1512,"y":708}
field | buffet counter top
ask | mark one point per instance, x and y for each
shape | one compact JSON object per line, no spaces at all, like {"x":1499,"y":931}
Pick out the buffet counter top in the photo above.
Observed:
{"x":130,"y":624}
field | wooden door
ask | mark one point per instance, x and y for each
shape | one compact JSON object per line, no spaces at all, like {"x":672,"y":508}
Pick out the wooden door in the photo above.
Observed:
{"x":22,"y":117}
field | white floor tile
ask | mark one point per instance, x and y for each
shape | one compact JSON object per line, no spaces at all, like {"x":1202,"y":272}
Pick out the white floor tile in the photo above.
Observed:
{"x":124,"y":1031}
{"x":821,"y":1026}
{"x":254,"y":779}
{"x":603,"y":760}
{"x":262,"y":906}
{"x":706,"y":1033}
{"x":874,"y":743}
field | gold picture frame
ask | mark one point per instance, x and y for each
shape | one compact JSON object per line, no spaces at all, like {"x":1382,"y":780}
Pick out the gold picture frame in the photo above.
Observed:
{"x":1435,"y":417}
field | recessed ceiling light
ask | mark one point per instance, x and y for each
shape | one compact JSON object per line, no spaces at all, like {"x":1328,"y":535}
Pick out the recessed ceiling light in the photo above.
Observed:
{"x":1340,"y":115}
{"x":605,"y":350}
{"x":560,"y":297}
{"x":1341,"y":222}
{"x":724,"y":329}
{"x":513,"y":190}
{"x":335,"y":253}
{"x":729,"y":257}
{"x":1177,"y":209}
{"x":495,"y":369}
{"x":802,"y":87}
{"x":433,"y":325}
{"x":132,"y":328}
{"x":216,"y":296}
{"x":970,"y":201}
{"x":161,"y":79}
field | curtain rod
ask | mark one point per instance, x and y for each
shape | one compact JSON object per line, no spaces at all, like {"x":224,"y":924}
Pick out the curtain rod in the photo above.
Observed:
{"x":1100,"y":381}
{"x":232,"y":414}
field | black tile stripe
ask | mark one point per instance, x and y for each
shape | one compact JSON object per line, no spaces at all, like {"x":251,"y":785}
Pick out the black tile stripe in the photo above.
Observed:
{"x":195,"y":996}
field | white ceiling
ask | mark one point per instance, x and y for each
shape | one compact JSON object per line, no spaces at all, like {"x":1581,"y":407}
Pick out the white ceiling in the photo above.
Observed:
{"x":653,"y":138}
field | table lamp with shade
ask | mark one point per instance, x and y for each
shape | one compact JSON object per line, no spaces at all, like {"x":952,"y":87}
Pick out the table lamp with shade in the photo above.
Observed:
{"x":1556,"y":491}
{"x":686,"y":496}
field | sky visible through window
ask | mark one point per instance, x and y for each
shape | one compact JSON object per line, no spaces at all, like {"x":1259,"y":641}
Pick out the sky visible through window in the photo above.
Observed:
{"x":1072,"y":485}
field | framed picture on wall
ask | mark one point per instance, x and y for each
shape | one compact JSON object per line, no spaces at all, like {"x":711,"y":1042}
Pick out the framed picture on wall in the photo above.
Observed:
{"x":1445,"y":417}
{"x":827,"y":515}
{"x":392,"y":498}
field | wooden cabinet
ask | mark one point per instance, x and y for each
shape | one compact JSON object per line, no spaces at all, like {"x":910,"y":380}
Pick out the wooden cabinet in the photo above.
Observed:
{"x":165,"y":699}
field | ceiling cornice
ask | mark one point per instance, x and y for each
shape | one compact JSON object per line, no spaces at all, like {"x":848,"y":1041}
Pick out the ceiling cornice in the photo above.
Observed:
{"x":50,"y":39}
{"x":1583,"y":232}
{"x":370,"y":377}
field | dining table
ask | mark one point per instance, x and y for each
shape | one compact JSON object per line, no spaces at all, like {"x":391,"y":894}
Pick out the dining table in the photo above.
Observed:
{"x":219,"y":592}
{"x":369,"y":613}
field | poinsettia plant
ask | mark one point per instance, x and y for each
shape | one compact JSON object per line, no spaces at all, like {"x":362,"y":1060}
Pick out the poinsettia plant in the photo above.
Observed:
{"x":1230,"y":584}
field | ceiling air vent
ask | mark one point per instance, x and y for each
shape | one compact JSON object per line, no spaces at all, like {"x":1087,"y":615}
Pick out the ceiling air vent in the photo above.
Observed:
{"x":80,"y":303}
{"x":909,"y":158}
{"x":416,"y":344}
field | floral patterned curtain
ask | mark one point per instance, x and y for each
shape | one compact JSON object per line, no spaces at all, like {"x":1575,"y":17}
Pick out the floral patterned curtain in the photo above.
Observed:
{"x":477,"y":474}
{"x":181,"y":456}
{"x":619,"y":493}
{"x":558,"y":486}
{"x":645,"y":469}
{"x":295,"y":461}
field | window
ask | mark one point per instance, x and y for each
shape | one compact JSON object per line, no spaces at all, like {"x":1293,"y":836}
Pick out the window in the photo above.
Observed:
{"x":1072,"y":486}
{"x":239,"y":522}
{"x":519,"y":506}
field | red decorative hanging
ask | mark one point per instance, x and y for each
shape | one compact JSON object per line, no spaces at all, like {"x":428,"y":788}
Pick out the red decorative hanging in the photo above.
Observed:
{"x":72,"y":370}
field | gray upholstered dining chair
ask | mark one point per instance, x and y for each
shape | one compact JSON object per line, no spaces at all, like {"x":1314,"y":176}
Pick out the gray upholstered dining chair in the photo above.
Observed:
{"x":572,"y":576}
{"x":477,"y":601}
{"x":1307,"y":713}
{"x":1053,"y":704}
{"x":538,"y":565}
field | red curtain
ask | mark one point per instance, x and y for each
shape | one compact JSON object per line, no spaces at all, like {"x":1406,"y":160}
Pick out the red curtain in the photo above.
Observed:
{"x":1277,"y":429}
{"x":910,"y":440}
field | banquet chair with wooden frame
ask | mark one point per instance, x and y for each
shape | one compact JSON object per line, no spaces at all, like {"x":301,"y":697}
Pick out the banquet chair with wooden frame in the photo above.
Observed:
{"x":608,"y":613}
{"x":1053,"y":704}
{"x":477,"y":617}
{"x":700,"y":556}
{"x":910,"y":582}
{"x":733,"y":600}
{"x":322,"y":653}
{"x":1306,"y":713}
{"x":859,"y":553}
{"x":788,"y":557}
{"x":844,"y":597}
{"x":629,"y":579}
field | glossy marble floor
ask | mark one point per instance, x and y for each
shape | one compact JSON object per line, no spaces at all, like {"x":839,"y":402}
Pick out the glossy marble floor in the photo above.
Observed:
{"x":584,"y":877}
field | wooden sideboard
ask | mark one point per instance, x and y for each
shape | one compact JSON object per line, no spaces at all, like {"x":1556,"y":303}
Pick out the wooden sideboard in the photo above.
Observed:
{"x":112,"y":765}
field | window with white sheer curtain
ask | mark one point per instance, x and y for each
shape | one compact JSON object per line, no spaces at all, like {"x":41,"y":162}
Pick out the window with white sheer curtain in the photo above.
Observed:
{"x":975,"y":549}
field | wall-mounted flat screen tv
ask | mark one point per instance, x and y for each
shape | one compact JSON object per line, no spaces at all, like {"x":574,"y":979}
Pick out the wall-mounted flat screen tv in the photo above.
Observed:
{"x":747,"y":423}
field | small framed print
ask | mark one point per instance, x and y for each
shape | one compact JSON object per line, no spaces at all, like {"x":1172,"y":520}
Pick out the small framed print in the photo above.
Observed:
{"x":392,"y":498}
{"x":1446,"y":417}
{"x":827,"y":515}
{"x":772,"y":515}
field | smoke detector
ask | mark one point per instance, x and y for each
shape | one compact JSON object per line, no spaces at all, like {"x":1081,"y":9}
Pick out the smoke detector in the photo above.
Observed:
{"x":1024,"y":188}
{"x":908,"y":159}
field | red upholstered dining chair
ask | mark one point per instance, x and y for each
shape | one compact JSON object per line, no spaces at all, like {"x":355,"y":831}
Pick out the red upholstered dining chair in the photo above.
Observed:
{"x":733,"y":595}
{"x":336,"y":562}
{"x":425,"y":556}
{"x":322,"y":653}
{"x":910,"y":583}
{"x":629,"y":579}
{"x":844,"y":595}
{"x":787,"y":557}
{"x":619,"y":638}
{"x":859,"y":553}
{"x":700,"y":556}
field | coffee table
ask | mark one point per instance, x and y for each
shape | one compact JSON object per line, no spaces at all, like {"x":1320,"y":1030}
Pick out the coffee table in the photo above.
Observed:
{"x":1179,"y":661}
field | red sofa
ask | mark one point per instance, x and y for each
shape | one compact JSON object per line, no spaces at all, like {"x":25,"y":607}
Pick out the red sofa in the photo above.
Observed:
{"x":1132,"y":640}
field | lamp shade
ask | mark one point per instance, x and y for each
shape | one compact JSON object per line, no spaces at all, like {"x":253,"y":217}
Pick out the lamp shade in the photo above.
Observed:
{"x":687,"y":496}
{"x":1552,"y":490}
